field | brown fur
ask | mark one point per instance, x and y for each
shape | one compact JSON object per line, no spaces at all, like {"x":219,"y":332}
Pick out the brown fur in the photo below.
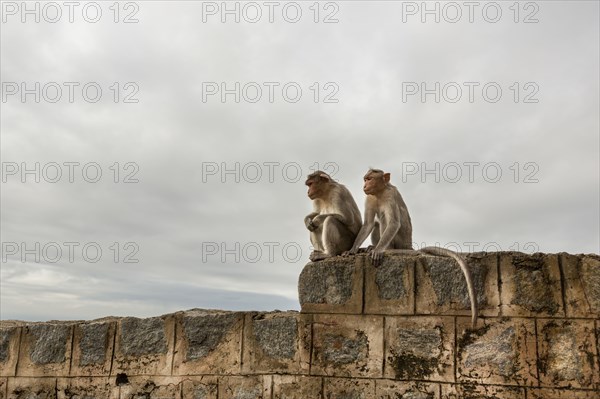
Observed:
{"x":335,"y":220}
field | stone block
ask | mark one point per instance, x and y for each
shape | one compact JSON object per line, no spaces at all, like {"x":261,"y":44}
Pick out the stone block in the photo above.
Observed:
{"x":3,"y":387}
{"x":530,"y":285}
{"x":45,"y":350}
{"x":544,"y":393}
{"x":347,"y":346}
{"x":582,"y":284}
{"x":87,"y":388}
{"x":297,"y":387}
{"x":442,"y":287}
{"x":468,"y":391}
{"x":151,"y":387}
{"x":597,"y":323}
{"x":333,"y":285}
{"x":567,"y":354}
{"x":256,"y":387}
{"x":31,"y":388}
{"x":144,"y":346}
{"x":200,"y":387}
{"x":93,"y":348}
{"x":419,"y":348}
{"x":9,"y":350}
{"x":389,"y":287}
{"x":210,"y":342}
{"x":337,"y":388}
{"x":277,"y":343}
{"x":501,"y":352}
{"x":386,"y":389}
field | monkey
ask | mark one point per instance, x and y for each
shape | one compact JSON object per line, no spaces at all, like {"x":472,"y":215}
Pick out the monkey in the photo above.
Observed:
{"x":388,"y":221}
{"x":335,"y":220}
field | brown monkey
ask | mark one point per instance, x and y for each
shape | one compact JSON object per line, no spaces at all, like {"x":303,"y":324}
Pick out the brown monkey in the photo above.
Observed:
{"x":387,"y":218}
{"x":335,"y":221}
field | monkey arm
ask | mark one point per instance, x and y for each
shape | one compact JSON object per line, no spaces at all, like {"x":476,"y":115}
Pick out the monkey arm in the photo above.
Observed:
{"x":388,"y":235}
{"x":308,"y":220}
{"x":319,"y":219}
{"x":365,"y":230}
{"x":392,"y":216}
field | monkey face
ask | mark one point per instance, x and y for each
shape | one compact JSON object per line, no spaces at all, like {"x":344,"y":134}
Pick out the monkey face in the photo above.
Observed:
{"x":313,"y":190}
{"x":375,"y":181}
{"x":372,"y":184}
{"x":317,"y":184}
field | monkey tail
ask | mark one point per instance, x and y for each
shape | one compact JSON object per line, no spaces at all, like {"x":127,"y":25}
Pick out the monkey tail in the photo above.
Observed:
{"x":466,"y":272}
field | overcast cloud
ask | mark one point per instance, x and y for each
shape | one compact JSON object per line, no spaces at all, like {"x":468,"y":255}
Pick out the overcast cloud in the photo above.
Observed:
{"x":179,"y":212}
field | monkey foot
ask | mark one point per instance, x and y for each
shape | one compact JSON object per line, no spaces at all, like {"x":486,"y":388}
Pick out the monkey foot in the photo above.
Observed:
{"x":366,"y":250}
{"x":317,"y":255}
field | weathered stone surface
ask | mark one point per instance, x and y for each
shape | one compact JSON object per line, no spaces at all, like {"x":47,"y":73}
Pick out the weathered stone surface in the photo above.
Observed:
{"x":380,"y":356}
{"x":533,"y":393}
{"x":93,"y":343}
{"x":348,"y":346}
{"x":277,"y":336}
{"x":144,"y":346}
{"x":332,"y":285}
{"x":567,"y":353}
{"x":87,"y":388}
{"x":205,"y":333}
{"x":9,"y":344}
{"x":389,"y":287}
{"x":590,"y":272}
{"x":391,"y":279}
{"x":151,"y":388}
{"x":277,"y":342}
{"x":296,"y":387}
{"x":93,"y":348}
{"x":442,"y":288}
{"x":336,"y":388}
{"x":258,"y":387}
{"x":501,"y":352}
{"x":142,"y":336}
{"x":597,"y":324}
{"x":210,"y":344}
{"x":5,"y":336}
{"x":200,"y":388}
{"x":50,"y":343}
{"x":531,"y":285}
{"x":419,"y":348}
{"x":45,"y":350}
{"x":468,"y":391}
{"x":31,"y":388}
{"x":387,"y":389}
{"x":582,"y":284}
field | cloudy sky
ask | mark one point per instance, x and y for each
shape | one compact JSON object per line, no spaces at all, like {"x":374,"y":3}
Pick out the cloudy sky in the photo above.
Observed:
{"x":154,"y":153}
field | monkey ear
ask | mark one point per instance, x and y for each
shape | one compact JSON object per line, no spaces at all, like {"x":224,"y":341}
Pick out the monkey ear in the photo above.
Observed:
{"x":325,"y":176}
{"x":386,"y":177}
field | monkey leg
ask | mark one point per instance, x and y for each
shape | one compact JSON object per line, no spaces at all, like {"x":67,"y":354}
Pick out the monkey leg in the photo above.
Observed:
{"x":316,"y":239}
{"x":336,"y":237}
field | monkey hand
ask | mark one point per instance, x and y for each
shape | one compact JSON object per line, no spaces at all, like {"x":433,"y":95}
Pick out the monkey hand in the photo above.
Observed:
{"x":308,"y":222}
{"x":352,"y":251}
{"x":319,"y":220}
{"x":376,"y":257}
{"x":367,"y":249}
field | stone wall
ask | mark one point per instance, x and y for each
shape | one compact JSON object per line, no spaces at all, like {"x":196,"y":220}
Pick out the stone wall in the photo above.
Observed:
{"x":400,"y":331}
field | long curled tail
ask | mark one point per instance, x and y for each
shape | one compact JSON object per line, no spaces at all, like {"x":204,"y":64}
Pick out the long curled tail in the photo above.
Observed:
{"x":466,"y":272}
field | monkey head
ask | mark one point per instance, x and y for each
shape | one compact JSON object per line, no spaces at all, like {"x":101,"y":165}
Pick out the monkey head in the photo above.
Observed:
{"x":318,"y":184}
{"x":375,"y":181}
